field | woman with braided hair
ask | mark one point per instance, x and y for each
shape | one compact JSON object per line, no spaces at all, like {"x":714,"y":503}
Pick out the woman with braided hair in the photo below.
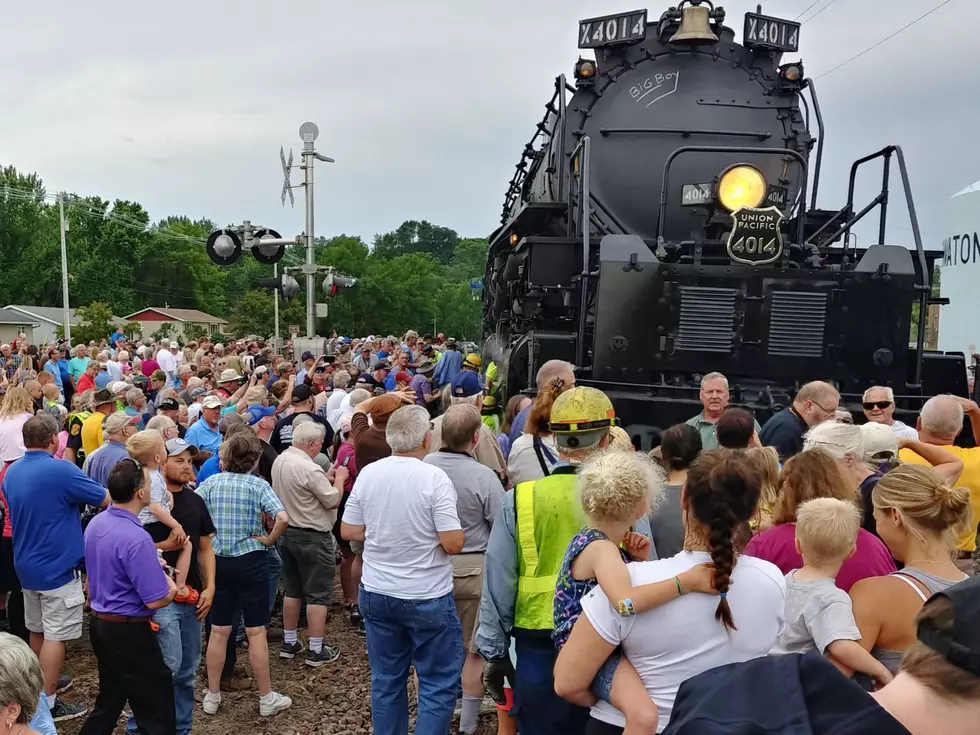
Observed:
{"x":671,"y":643}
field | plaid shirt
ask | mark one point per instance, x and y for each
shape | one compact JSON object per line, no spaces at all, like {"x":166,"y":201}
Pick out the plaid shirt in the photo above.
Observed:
{"x":236,"y":504}
{"x":11,"y":365}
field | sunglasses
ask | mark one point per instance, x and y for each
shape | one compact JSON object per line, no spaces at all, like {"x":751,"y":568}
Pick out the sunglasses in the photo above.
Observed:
{"x":870,"y":405}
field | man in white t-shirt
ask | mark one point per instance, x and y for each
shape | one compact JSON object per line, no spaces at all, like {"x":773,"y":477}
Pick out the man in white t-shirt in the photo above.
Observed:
{"x":404,"y":511}
{"x":167,"y":362}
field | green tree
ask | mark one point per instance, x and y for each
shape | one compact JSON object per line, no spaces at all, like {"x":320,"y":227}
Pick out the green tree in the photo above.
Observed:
{"x":95,"y":323}
{"x":166,"y":330}
{"x":469,"y":260}
{"x":194,"y":332}
{"x":418,"y":237}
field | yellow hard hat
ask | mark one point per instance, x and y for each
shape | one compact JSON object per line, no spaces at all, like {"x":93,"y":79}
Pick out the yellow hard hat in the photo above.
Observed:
{"x":472,"y":360}
{"x":581,"y":409}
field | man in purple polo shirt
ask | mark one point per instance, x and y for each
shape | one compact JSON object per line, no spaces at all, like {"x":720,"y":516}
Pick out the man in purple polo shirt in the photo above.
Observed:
{"x":126,"y":584}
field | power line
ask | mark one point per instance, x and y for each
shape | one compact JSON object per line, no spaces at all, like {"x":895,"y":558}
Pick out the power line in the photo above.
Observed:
{"x":111,"y":216}
{"x":885,"y":39}
{"x":818,"y":12}
{"x":815,"y":2}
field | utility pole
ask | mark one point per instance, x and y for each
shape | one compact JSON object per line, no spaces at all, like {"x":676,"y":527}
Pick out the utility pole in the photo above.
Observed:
{"x":275,"y":304}
{"x":64,"y":268}
{"x":309,"y":132}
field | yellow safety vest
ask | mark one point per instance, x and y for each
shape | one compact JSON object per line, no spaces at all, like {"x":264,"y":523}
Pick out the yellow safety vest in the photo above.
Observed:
{"x":548,"y":516}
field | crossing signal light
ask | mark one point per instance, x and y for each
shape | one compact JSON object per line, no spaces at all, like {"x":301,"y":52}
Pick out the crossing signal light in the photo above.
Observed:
{"x":224,"y":247}
{"x":285,"y":284}
{"x":333,"y":283}
{"x":268,"y":254}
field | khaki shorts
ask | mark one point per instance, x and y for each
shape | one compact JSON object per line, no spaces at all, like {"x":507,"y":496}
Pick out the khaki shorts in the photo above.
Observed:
{"x":467,"y":590}
{"x":56,"y":613}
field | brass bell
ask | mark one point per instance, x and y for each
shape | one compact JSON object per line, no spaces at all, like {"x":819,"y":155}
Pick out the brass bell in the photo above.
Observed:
{"x":695,"y":26}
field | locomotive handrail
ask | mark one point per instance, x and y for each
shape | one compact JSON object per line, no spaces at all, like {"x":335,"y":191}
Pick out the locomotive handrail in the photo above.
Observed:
{"x":808,"y":83}
{"x":729,"y":149}
{"x":688,"y":132}
{"x":585,"y":198}
{"x":924,"y":287}
{"x":560,"y":88}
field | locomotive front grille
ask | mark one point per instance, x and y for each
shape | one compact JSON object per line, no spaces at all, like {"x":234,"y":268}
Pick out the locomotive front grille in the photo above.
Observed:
{"x":707,"y":322}
{"x":797,"y":323}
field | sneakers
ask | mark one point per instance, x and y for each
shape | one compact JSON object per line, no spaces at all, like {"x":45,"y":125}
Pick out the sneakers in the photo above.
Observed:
{"x":292,"y":650}
{"x":63,"y":711}
{"x":64,"y":684}
{"x":325,"y":656}
{"x":355,"y":617}
{"x":211,"y":702}
{"x":273,"y":703}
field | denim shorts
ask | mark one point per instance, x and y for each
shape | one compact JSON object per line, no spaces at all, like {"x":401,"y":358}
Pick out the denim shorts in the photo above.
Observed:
{"x":602,"y":684}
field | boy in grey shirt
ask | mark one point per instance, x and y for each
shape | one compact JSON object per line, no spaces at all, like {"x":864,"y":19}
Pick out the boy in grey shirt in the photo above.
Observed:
{"x":818,"y":613}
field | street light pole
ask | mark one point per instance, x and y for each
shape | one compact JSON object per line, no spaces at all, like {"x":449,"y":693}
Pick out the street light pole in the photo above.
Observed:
{"x":64,"y":269}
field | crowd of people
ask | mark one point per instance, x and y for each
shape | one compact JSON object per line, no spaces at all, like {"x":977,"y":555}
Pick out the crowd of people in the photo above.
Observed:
{"x":812,"y":574}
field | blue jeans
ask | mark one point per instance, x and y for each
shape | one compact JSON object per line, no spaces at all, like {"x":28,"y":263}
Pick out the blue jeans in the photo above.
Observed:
{"x":180,"y":642}
{"x":537,"y":709}
{"x":402,"y":631}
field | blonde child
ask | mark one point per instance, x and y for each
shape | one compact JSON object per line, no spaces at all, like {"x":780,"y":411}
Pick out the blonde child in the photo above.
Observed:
{"x":618,"y":489}
{"x":148,"y":448}
{"x":766,"y":461}
{"x":818,"y":614}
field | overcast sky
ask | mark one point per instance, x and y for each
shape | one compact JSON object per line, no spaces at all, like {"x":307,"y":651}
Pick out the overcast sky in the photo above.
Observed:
{"x":426,"y":105}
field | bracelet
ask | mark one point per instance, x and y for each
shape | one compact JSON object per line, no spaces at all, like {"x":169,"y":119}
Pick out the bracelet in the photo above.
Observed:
{"x":680,"y":589}
{"x":625,"y":608}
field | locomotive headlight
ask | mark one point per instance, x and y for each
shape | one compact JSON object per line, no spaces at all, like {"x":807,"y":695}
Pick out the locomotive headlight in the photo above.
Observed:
{"x":742,"y":186}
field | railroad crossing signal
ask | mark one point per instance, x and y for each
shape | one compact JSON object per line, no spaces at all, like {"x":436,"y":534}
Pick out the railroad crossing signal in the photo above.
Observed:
{"x":287,"y":167}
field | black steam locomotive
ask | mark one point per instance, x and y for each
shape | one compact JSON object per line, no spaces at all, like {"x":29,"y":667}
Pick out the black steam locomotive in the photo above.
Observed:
{"x":657,"y":228}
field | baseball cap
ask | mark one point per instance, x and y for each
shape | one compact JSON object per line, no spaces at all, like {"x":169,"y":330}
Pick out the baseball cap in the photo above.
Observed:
{"x":168,"y":404}
{"x":403,"y":376}
{"x":179,"y":446}
{"x":880,"y":442}
{"x":229,"y":420}
{"x":118,"y":386}
{"x":257,"y":413}
{"x":198,"y":392}
{"x":211,"y":402}
{"x":302,"y":393}
{"x":960,"y":644}
{"x":158,"y":375}
{"x":103,"y":396}
{"x":116,"y":422}
{"x":466,"y":384}
{"x":306,"y":356}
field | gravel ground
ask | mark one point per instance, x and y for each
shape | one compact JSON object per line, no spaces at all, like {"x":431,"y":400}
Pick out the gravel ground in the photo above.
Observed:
{"x":334,"y":699}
